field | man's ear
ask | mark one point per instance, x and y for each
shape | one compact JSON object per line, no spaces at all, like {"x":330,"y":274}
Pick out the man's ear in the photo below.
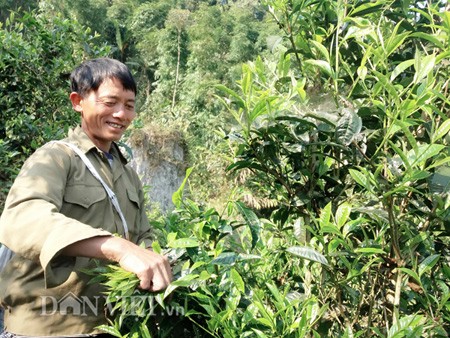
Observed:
{"x":76,"y":99}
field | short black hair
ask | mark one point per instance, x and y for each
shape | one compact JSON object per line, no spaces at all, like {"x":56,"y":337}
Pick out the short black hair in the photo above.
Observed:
{"x":91,"y":74}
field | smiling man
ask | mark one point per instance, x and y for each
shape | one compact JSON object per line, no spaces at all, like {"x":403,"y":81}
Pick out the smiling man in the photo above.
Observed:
{"x":58,"y":217}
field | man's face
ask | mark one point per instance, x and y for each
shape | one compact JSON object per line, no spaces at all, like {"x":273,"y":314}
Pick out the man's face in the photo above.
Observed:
{"x":105,"y":113}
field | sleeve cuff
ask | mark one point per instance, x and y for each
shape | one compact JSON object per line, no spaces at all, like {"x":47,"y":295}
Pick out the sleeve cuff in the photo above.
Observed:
{"x":53,"y":246}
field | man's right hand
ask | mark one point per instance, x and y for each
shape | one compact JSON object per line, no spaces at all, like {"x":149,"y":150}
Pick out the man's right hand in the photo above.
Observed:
{"x":152,"y":269}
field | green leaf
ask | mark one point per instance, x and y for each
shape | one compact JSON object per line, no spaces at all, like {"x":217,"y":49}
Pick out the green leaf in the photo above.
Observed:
{"x":439,"y":162}
{"x":109,"y":330}
{"x":279,"y":298}
{"x":200,"y":296}
{"x":261,"y":108}
{"x":357,"y":32}
{"x":118,"y":36}
{"x":197,"y":265}
{"x":185,"y":280}
{"x":395,"y":40}
{"x":385,"y":83}
{"x":348,"y":126}
{"x":440,"y":183}
{"x":322,"y":65}
{"x":361,"y":179}
{"x":331,"y":229}
{"x":307,"y":253}
{"x":321,"y":48}
{"x":246,"y":80}
{"x":431,"y":38}
{"x":412,"y":274}
{"x":442,"y":131}
{"x":416,"y":175}
{"x":225,"y":258}
{"x":428,"y":263}
{"x":256,"y":333}
{"x":423,"y":65}
{"x":237,"y":280}
{"x":370,"y":251}
{"x":177,"y":196}
{"x":184,"y":243}
{"x":244,"y":164}
{"x":425,"y":152}
{"x":366,"y":8}
{"x":409,"y":326}
{"x":265,"y":311}
{"x":405,"y":127}
{"x":284,"y":65}
{"x":156,"y":247}
{"x":145,"y":333}
{"x":401,"y":154}
{"x":240,"y":102}
{"x":260,"y":68}
{"x":400,"y":68}
{"x":252,"y":221}
{"x":248,"y":257}
{"x":325,"y":215}
{"x":266,"y":322}
{"x":342,"y":214}
{"x":321,"y":118}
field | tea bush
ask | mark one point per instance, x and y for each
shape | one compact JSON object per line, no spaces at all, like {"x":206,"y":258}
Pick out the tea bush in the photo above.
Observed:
{"x":345,"y":227}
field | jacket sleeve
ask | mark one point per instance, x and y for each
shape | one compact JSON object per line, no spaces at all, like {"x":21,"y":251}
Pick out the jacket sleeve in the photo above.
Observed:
{"x":144,"y":233}
{"x":31,"y":224}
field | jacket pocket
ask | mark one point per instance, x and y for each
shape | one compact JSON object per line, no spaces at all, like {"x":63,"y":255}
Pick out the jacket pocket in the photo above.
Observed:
{"x":133,"y":197}
{"x":84,"y":196}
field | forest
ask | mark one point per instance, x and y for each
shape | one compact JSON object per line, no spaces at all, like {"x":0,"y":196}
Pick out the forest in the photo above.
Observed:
{"x":317,"y":197}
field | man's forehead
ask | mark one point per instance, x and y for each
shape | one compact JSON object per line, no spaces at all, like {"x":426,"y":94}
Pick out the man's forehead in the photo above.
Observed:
{"x":112,"y":88}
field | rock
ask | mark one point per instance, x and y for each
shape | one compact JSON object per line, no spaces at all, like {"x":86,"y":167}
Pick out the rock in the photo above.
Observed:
{"x":159,"y":158}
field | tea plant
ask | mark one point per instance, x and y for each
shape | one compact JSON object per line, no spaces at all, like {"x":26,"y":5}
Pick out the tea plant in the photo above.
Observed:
{"x":340,"y":227}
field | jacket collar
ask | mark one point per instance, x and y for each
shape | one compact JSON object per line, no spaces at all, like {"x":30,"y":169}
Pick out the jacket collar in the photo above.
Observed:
{"x":78,"y":137}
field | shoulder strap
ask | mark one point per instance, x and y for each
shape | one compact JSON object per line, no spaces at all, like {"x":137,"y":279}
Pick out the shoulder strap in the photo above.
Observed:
{"x":94,"y":172}
{"x":5,"y":256}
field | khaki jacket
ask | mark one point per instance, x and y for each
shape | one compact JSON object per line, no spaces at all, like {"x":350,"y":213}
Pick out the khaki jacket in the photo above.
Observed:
{"x":54,"y":202}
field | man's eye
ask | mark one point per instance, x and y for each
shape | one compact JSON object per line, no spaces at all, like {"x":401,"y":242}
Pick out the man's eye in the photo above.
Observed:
{"x":109,"y":103}
{"x":129,"y":106}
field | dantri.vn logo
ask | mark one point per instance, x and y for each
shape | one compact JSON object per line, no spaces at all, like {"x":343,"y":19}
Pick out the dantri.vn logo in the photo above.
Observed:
{"x":71,"y":304}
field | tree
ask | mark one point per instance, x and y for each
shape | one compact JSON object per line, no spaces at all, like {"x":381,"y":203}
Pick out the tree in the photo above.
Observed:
{"x":179,"y":20}
{"x":6,"y":6}
{"x":37,"y":54}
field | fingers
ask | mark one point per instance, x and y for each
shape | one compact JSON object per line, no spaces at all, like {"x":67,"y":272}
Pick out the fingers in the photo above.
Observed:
{"x":153,"y":270}
{"x":159,"y":276}
{"x":162,"y":276}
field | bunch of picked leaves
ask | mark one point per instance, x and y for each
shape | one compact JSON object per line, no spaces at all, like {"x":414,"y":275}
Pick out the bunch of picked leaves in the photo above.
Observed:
{"x":131,"y":311}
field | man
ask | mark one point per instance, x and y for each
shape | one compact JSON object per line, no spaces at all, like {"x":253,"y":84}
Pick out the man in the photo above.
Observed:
{"x":58,"y":217}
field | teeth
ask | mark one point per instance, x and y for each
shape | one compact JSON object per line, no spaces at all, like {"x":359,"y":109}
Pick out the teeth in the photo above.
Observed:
{"x":115,"y":125}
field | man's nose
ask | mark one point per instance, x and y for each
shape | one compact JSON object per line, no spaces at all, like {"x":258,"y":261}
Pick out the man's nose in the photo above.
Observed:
{"x":123,"y":113}
{"x":119,"y":113}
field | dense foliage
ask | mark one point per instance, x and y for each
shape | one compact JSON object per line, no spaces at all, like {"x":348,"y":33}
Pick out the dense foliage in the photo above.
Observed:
{"x":37,"y":54}
{"x":178,"y":51}
{"x":349,"y":232}
{"x":338,"y":135}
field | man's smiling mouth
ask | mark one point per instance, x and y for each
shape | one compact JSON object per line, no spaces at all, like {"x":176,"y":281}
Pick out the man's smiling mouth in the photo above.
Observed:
{"x":115,"y":125}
